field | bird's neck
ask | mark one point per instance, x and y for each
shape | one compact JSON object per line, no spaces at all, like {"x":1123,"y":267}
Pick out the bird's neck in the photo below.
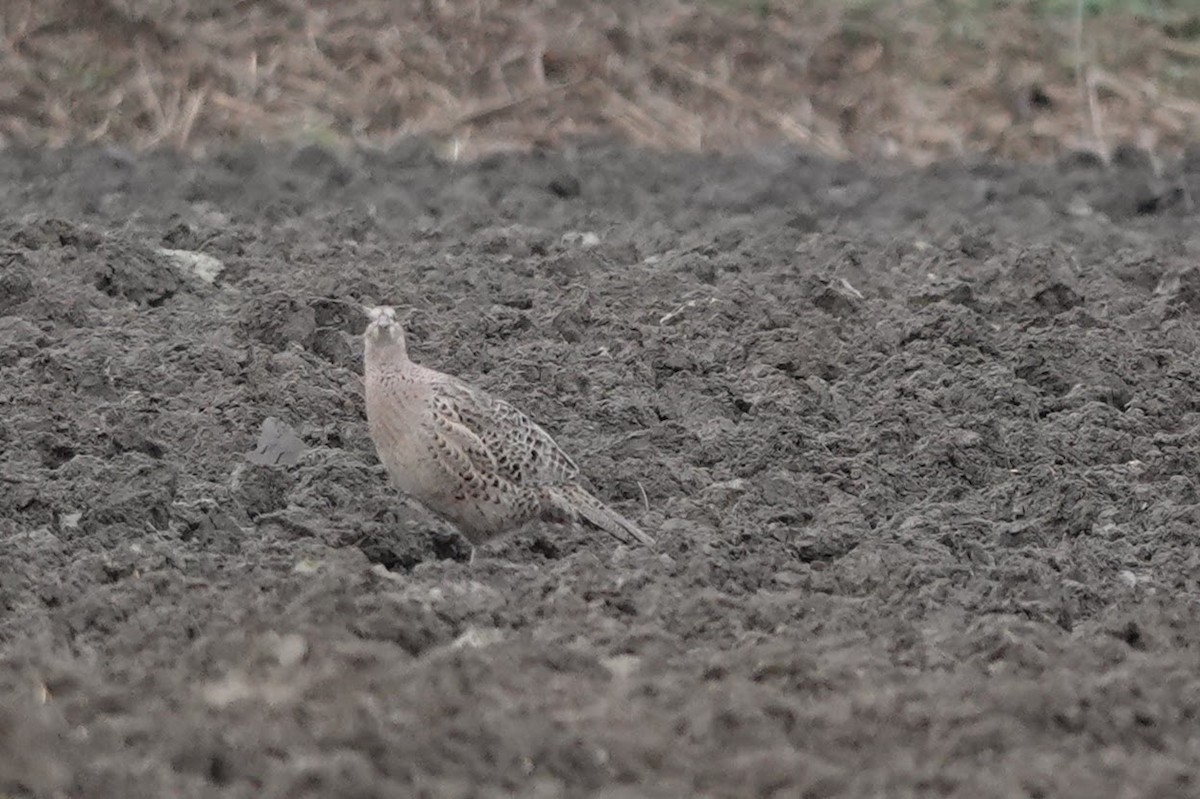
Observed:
{"x":388,"y":351}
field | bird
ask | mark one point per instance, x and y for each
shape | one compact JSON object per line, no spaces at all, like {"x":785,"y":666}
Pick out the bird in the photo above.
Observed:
{"x":470,"y":457}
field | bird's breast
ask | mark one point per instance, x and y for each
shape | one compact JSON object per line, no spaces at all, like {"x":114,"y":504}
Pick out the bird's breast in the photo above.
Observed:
{"x":394,"y":407}
{"x":397,"y":415}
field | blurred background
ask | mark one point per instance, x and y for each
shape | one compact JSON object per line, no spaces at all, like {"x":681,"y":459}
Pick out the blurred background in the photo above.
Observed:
{"x":911,"y":79}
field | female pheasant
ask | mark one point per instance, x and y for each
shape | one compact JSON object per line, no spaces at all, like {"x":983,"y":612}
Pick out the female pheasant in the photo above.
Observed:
{"x":469,"y":457}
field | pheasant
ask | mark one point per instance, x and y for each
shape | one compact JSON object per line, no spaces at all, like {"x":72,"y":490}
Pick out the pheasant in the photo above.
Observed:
{"x":471,"y":458}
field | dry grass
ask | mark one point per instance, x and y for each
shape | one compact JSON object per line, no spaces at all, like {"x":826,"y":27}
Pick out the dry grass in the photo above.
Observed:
{"x":902,"y":78}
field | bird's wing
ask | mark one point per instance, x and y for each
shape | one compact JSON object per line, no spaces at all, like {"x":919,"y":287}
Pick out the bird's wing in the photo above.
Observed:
{"x":463,"y":455}
{"x":516,"y":447}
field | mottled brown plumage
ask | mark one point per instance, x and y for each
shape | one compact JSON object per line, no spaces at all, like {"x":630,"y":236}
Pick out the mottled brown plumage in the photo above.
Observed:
{"x":471,"y":458}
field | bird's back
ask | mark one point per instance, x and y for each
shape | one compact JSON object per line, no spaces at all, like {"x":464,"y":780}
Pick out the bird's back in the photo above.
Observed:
{"x":524,"y":453}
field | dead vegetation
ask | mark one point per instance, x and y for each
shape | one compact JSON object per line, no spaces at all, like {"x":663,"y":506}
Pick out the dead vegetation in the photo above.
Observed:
{"x":893,"y":79}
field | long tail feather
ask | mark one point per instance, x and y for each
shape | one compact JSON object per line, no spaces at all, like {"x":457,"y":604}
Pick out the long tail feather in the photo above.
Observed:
{"x":576,"y":503}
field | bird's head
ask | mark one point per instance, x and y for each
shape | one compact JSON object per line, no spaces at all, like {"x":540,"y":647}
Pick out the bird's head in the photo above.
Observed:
{"x":384,"y":333}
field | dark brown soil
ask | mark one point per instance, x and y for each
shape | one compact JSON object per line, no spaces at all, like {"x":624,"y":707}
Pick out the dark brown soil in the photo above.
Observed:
{"x":920,"y":450}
